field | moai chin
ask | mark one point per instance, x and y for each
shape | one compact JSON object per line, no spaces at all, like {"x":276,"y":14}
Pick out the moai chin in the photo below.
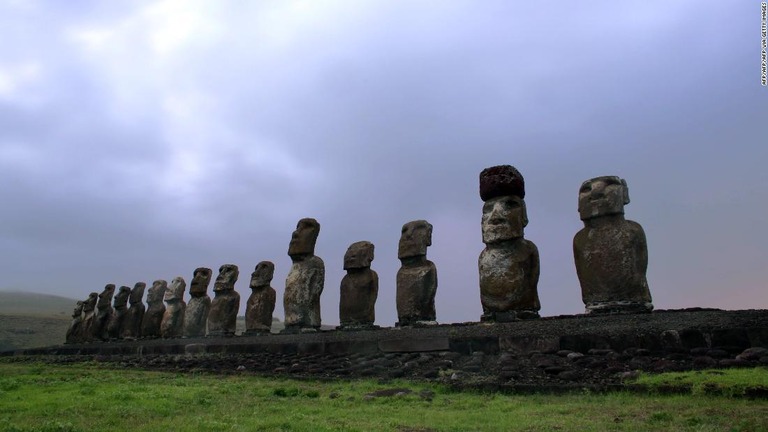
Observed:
{"x":261,"y":303}
{"x":153,"y":317}
{"x":359,"y":288}
{"x":305,"y":280}
{"x":103,"y":314}
{"x":120,"y":306}
{"x":172,"y":325}
{"x":199,"y":305}
{"x":222,"y":319}
{"x":417,"y":277}
{"x":89,"y":316}
{"x":610,"y":252}
{"x":509,"y":264}
{"x":135,"y":314}
{"x":74,"y":332}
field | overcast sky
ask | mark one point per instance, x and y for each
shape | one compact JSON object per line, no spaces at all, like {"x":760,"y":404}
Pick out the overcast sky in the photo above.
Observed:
{"x":140,"y":140}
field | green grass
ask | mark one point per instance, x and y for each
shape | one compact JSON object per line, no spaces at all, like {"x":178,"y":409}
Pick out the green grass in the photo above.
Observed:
{"x":731,"y":382}
{"x":84,"y":397}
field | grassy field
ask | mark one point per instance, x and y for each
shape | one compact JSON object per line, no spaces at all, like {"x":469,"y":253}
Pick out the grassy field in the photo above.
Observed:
{"x":84,"y":397}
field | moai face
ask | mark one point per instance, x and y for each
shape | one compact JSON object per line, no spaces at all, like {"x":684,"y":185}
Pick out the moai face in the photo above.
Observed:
{"x":200,"y":281}
{"x":121,"y":298}
{"x":78,"y":309}
{"x":157,"y":292}
{"x":228,"y":274}
{"x":262,"y":274}
{"x":359,"y":255}
{"x":504,"y":218}
{"x":137,"y":293}
{"x":90,"y":303}
{"x":414,"y":239}
{"x":105,"y":298}
{"x":175,"y":291}
{"x":304,"y":238}
{"x":602,"y":196}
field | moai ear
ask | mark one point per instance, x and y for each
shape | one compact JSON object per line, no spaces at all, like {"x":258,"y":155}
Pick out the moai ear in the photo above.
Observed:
{"x":429,"y":234}
{"x":626,"y":191}
{"x":525,"y":215}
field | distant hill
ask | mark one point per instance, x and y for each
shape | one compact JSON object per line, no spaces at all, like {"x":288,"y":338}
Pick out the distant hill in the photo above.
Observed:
{"x":29,"y":320}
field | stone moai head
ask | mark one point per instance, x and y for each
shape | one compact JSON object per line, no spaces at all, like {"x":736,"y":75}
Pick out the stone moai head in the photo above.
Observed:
{"x":175,"y":290}
{"x":78,"y":309}
{"x":226,"y":279}
{"x":105,"y":298}
{"x":201,"y":278}
{"x":415,"y":237}
{"x":602,"y":196}
{"x":502,"y":188}
{"x":121,"y":298}
{"x":359,"y":255}
{"x":90,"y":303}
{"x":157,"y":291}
{"x":304,"y":238}
{"x":262,"y":274}
{"x":137,"y":293}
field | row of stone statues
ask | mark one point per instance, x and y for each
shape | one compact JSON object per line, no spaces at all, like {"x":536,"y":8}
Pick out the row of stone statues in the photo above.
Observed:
{"x":610,"y":254}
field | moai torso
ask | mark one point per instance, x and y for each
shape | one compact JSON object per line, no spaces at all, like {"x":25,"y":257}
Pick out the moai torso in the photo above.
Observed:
{"x":305,"y":280}
{"x":117,"y":322}
{"x":103,"y":314}
{"x":509,"y":264}
{"x":261,"y":303}
{"x":153,"y":317}
{"x":135,"y":313}
{"x":172,"y":325}
{"x":359,"y":288}
{"x":74,"y":333}
{"x":196,"y":315}
{"x":417,"y":277}
{"x":610,"y":252}
{"x":89,"y":316}
{"x":222,"y":319}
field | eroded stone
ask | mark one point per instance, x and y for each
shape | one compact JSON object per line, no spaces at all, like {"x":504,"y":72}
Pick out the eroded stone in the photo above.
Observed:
{"x":199,"y":305}
{"x":222,"y":319}
{"x":306,"y":279}
{"x":135,"y":314}
{"x":261,"y":303}
{"x":74,"y":332}
{"x":417,"y":276}
{"x":103,"y":314}
{"x":359,"y":288}
{"x":172,"y":325}
{"x":120,"y":306}
{"x":153,"y":317}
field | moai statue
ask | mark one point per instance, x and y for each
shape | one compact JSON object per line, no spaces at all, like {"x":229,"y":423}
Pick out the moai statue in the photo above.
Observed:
{"x":611,"y":252}
{"x":74,"y":333}
{"x":261,"y":303}
{"x":417,"y":277}
{"x":196,"y":316}
{"x":135,"y":314}
{"x":103,"y":314}
{"x":305,"y":280}
{"x":359,"y":288}
{"x":222,"y":320}
{"x":153,"y":317}
{"x":509,"y":264}
{"x":172,"y":325}
{"x":120,"y":305}
{"x":89,"y":315}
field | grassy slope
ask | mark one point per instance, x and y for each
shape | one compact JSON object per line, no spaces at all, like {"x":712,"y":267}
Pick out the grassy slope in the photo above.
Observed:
{"x":30,"y":320}
{"x":36,"y":397}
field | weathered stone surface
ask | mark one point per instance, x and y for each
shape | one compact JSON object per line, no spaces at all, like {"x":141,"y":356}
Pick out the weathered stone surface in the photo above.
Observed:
{"x":415,"y":345}
{"x":120,"y":306}
{"x":135,"y":314}
{"x":610,"y":252}
{"x":74,"y":332}
{"x":103,"y":314}
{"x":509,"y":264}
{"x":222,"y":319}
{"x":153,"y":317}
{"x":172,"y":325}
{"x":417,"y":276}
{"x":306,"y":279}
{"x":359,"y":287}
{"x":196,"y":314}
{"x":261,"y":303}
{"x":501,"y":180}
